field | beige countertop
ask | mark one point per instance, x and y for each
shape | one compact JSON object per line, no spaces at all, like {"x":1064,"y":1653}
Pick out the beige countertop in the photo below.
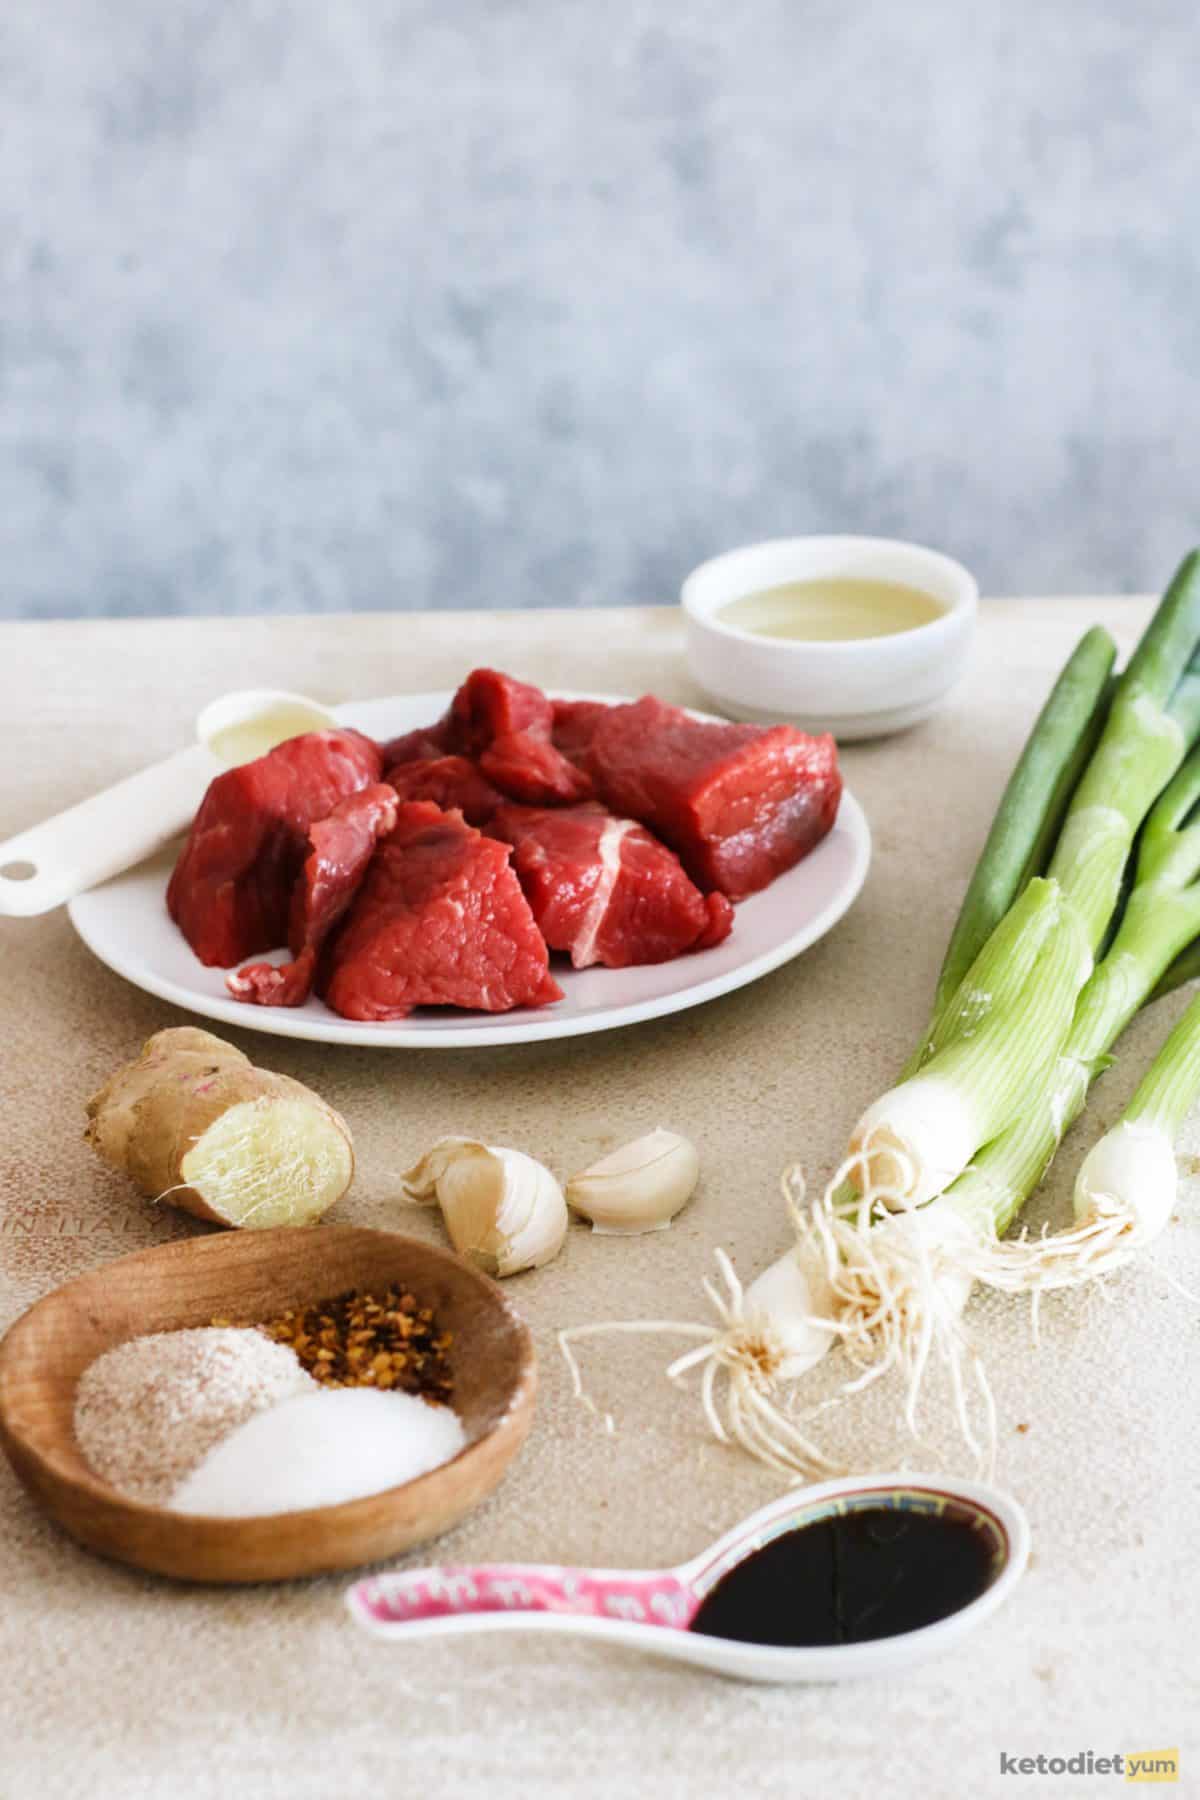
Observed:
{"x":119,"y":1685}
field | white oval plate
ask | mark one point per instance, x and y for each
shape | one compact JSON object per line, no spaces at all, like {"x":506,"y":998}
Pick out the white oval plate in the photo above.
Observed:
{"x":125,"y":924}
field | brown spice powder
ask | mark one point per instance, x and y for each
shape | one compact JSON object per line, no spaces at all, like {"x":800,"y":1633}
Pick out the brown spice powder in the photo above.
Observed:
{"x":369,"y":1340}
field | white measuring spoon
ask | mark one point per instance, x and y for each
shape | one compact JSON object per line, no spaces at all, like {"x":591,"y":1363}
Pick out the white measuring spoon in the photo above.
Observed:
{"x":87,"y":844}
{"x":651,"y":1609}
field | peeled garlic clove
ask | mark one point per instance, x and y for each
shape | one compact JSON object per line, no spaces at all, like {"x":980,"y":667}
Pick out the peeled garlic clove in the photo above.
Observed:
{"x":639,"y":1187}
{"x":504,"y":1211}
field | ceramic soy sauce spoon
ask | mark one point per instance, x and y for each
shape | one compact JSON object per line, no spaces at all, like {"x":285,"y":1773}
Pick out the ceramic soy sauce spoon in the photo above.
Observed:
{"x":114,"y":829}
{"x":654,"y":1610}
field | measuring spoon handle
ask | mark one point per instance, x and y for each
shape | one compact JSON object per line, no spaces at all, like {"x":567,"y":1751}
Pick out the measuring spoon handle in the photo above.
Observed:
{"x":113,"y":830}
{"x":388,"y":1604}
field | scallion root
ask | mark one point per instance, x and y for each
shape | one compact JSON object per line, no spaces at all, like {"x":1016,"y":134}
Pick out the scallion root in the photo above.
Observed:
{"x":879,"y":1282}
{"x":1105,"y":1240}
{"x":750,"y":1351}
{"x":899,"y":1283}
{"x":748,"y":1359}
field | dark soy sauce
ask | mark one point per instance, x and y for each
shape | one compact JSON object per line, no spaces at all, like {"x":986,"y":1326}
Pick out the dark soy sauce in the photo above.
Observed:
{"x":850,"y":1577}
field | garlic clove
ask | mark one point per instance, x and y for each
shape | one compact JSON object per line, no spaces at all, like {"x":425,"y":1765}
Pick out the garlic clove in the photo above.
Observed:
{"x":420,"y":1183}
{"x":639,"y":1187}
{"x":504,"y":1211}
{"x":532,"y":1224}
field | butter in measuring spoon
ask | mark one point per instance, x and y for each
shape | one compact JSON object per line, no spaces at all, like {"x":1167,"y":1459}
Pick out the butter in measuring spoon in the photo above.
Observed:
{"x":831,"y":609}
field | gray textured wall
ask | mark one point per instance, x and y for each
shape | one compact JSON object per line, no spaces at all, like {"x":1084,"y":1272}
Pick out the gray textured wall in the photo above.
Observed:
{"x":364,"y":303}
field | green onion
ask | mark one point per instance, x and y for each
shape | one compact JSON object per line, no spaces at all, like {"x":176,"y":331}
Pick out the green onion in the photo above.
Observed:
{"x":1127,"y":1184}
{"x":1033,"y":804}
{"x":1001,"y":1037}
{"x":1140,"y":748}
{"x":976,"y":1073}
{"x":996,"y":978}
{"x":1171,"y":1086}
{"x":1169,"y":641}
{"x":1137,"y":743}
{"x":898,"y":1280}
{"x":1063,"y":743}
{"x":1162,"y":917}
{"x":1185,"y":968}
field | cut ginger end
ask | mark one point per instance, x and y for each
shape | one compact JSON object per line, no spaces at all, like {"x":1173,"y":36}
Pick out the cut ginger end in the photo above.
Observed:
{"x":269,"y":1161}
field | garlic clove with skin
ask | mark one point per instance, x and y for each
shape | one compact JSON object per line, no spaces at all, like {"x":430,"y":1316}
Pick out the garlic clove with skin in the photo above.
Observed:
{"x":639,"y":1187}
{"x":504,"y":1211}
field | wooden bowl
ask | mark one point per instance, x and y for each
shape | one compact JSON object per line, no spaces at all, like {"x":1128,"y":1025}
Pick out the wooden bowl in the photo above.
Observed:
{"x":246,"y":1276}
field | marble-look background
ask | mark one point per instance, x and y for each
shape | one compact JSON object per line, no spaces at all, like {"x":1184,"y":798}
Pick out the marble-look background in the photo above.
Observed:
{"x":411,"y":303}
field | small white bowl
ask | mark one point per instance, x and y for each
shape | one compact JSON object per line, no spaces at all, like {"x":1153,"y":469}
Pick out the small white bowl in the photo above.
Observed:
{"x":855,"y":687}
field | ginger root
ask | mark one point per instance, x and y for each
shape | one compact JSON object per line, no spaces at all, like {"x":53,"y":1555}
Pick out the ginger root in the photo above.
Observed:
{"x":193,"y":1122}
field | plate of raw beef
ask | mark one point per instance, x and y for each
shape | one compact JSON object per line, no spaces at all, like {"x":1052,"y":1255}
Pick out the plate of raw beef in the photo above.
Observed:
{"x":490,"y":867}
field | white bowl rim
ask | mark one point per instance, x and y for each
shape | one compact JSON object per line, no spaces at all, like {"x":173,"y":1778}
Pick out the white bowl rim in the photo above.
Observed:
{"x":703,"y":614}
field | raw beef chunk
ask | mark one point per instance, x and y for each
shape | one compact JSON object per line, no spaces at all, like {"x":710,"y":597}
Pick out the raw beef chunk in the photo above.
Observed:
{"x":448,"y":781}
{"x":232,"y":886}
{"x":422,"y":745}
{"x":490,"y":705}
{"x":575,"y":723}
{"x":439,"y":921}
{"x":529,"y":768}
{"x":504,"y":726}
{"x":739,"y":803}
{"x":341,"y":847}
{"x":604,"y":890}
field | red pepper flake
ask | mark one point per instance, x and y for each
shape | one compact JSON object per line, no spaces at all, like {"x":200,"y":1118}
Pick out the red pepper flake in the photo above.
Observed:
{"x":369,"y":1340}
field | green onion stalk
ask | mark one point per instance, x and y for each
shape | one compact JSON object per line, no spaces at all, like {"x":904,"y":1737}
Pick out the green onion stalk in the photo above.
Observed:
{"x":1185,"y":969}
{"x":989,"y":1055}
{"x":1128,"y":1183}
{"x":1161,"y":919}
{"x":1032,"y":808}
{"x":897,"y":1290}
{"x":957,"y":1096}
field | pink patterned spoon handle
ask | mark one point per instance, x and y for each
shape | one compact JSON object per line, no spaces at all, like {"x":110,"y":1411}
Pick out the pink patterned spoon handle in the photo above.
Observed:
{"x":405,"y":1598}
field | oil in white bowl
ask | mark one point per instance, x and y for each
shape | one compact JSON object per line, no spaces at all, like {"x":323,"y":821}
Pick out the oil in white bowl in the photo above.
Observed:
{"x":831,"y":609}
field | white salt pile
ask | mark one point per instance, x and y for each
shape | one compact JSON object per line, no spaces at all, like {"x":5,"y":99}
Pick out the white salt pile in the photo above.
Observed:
{"x":318,"y":1449}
